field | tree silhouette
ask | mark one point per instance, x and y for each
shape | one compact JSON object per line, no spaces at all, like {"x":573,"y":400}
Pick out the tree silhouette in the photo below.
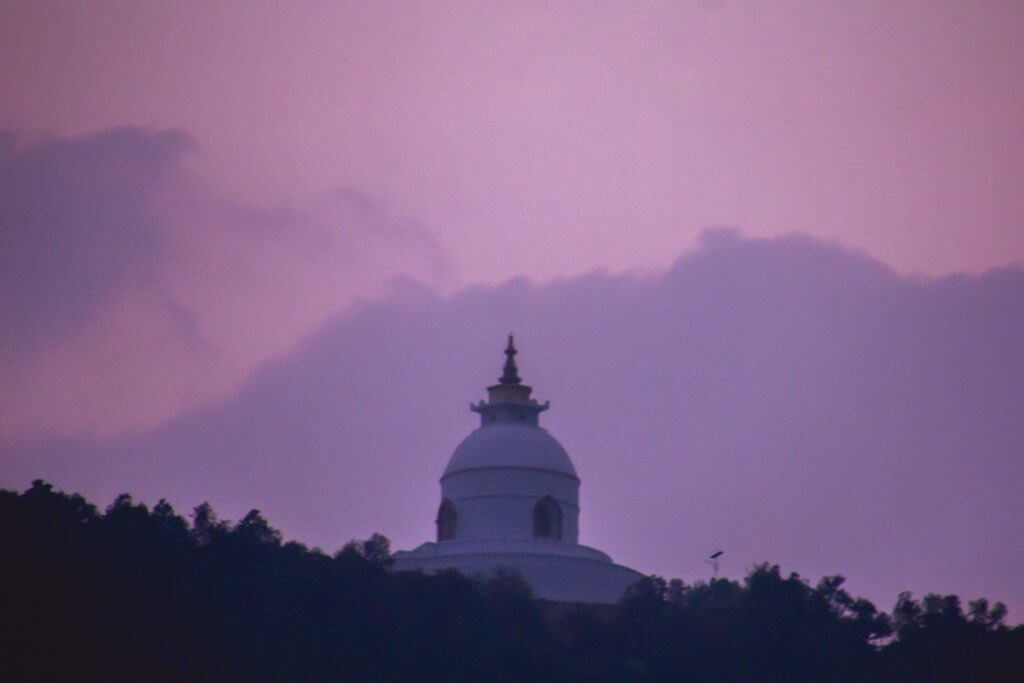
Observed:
{"x":138,"y":594}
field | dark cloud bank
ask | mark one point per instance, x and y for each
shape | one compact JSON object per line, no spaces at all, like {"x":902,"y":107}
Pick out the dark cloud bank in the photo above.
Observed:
{"x":782,"y":399}
{"x":128,"y":288}
{"x":77,"y":226}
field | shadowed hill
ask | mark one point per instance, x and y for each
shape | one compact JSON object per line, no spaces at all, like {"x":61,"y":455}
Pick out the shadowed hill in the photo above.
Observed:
{"x":134,"y":594}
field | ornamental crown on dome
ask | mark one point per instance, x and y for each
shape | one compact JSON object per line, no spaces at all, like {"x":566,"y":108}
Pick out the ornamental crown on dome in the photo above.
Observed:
{"x":509,"y":400}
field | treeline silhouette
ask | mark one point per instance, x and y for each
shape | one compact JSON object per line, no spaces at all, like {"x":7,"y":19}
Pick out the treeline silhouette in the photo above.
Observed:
{"x":134,"y":594}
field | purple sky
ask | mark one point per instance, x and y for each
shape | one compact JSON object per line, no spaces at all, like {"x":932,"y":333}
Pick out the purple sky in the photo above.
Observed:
{"x":266,"y":255}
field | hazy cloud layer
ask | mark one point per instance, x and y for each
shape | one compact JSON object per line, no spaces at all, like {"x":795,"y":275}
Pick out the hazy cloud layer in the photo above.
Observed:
{"x":77,"y":226}
{"x":552,"y":139}
{"x":779,"y":399}
{"x":129,"y":291}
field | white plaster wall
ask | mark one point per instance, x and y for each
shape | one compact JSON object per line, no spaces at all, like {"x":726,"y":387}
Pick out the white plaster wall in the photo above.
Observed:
{"x":498,"y":502}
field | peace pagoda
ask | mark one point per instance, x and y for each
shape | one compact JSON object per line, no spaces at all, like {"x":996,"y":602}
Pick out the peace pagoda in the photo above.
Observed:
{"x":510,"y":500}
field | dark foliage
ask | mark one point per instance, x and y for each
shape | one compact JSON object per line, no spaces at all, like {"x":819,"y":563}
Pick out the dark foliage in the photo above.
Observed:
{"x":138,"y":594}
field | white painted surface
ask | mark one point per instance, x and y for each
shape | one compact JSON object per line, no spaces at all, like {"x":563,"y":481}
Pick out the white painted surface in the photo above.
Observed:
{"x":505,"y":444}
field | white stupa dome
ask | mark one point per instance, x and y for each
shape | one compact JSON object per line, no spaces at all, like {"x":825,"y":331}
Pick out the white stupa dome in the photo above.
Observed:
{"x":510,"y":445}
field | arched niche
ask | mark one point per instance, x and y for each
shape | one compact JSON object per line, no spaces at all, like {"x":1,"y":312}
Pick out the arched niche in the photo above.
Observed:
{"x":547,"y":519}
{"x":446,"y":518}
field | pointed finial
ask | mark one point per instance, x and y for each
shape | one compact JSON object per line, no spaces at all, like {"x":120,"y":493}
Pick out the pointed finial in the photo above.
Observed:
{"x":511,"y":375}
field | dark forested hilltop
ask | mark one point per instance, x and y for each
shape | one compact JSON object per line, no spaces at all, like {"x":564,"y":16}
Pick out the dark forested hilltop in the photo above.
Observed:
{"x":143,"y":595}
